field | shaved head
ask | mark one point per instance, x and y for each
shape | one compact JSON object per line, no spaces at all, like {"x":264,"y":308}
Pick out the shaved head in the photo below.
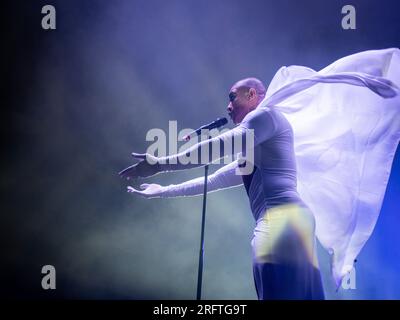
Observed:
{"x":251,"y":83}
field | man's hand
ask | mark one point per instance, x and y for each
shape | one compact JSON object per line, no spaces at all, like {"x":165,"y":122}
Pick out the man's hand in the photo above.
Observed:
{"x":143,"y":168}
{"x":148,"y":190}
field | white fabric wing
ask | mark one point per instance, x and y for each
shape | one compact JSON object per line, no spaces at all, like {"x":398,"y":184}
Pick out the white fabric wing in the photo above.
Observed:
{"x":346,"y":133}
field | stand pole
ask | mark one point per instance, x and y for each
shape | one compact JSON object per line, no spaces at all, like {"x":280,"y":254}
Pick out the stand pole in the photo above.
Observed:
{"x":203,"y":220}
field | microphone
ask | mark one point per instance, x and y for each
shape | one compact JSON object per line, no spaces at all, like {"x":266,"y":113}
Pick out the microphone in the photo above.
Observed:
{"x":213,"y":125}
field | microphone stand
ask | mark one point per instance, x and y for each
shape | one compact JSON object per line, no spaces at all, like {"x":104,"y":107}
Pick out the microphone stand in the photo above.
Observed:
{"x":203,"y":220}
{"x":216,"y":124}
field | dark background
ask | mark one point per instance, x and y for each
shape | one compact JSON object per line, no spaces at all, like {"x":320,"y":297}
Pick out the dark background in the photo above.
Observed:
{"x":76,"y":101}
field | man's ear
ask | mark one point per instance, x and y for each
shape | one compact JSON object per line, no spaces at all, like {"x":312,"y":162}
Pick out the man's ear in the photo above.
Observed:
{"x":252,"y":93}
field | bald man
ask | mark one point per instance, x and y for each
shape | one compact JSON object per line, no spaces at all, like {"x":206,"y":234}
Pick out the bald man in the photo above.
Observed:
{"x":285,"y":264}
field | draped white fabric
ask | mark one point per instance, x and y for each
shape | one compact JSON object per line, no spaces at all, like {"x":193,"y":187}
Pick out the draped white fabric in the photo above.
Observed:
{"x":346,"y":122}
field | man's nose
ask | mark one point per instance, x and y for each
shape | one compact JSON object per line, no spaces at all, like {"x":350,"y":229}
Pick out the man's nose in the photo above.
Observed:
{"x":229,"y":108}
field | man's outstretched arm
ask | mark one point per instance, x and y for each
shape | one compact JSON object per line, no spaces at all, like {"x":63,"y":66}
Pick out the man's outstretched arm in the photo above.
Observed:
{"x":198,"y":155}
{"x":257,"y":126}
{"x":223,"y":178}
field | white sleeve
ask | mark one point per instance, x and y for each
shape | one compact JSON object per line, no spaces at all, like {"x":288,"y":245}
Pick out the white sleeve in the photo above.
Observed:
{"x":224,"y":145}
{"x":223,"y":178}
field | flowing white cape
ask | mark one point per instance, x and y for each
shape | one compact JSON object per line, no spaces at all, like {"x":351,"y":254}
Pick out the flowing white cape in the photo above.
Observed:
{"x":346,"y":122}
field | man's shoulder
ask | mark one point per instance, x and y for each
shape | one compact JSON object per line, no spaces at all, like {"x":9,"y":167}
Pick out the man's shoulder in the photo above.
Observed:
{"x":261,"y":109}
{"x":257,"y":112}
{"x":266,"y":113}
{"x":263,"y":117}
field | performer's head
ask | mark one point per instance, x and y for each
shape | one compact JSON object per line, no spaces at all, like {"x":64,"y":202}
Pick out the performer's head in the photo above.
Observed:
{"x":244,"y":96}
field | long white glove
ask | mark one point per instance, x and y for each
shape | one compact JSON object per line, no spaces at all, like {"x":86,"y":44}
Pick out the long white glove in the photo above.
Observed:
{"x":223,"y":178}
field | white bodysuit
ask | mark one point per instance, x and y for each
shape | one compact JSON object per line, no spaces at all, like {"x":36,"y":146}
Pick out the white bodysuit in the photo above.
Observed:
{"x":273,"y":181}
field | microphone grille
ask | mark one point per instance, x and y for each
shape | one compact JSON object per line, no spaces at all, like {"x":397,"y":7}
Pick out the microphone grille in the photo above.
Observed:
{"x":222,"y":121}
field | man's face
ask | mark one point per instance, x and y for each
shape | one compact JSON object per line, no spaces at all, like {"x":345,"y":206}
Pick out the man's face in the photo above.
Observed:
{"x":240,"y":103}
